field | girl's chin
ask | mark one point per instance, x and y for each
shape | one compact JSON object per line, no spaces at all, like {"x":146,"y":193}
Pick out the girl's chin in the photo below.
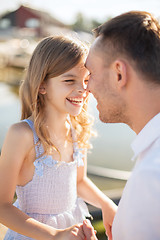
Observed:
{"x":75,"y":114}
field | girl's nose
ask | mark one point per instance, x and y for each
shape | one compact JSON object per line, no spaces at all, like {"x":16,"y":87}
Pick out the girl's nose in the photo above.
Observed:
{"x":82,"y":88}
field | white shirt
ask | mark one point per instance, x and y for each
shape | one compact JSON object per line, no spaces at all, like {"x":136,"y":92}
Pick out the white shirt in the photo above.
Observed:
{"x":138,"y":215}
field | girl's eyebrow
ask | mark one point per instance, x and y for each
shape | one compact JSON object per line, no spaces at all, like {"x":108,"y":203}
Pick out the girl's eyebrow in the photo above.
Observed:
{"x":69,"y":75}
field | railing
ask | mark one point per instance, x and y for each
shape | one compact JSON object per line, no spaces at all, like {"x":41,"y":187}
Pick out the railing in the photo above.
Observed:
{"x":108,"y":173}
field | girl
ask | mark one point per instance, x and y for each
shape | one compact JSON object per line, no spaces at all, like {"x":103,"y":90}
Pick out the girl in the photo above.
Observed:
{"x":44,"y":156}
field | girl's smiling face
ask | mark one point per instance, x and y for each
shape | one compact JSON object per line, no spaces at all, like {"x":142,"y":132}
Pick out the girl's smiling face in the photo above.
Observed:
{"x":66,"y":93}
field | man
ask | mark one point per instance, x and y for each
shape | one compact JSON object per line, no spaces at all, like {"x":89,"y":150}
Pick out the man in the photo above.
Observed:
{"x":124,"y":65}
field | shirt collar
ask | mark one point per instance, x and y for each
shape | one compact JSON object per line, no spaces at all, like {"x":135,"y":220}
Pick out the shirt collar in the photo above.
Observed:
{"x":147,"y":136}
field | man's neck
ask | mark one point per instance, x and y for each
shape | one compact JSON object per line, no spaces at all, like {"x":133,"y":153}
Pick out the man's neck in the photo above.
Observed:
{"x":143,"y":105}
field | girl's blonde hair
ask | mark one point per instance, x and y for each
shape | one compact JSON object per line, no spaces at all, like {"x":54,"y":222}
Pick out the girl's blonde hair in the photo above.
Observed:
{"x":52,"y":57}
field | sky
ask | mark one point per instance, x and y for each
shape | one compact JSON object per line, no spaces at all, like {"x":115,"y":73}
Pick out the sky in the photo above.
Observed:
{"x":66,"y":10}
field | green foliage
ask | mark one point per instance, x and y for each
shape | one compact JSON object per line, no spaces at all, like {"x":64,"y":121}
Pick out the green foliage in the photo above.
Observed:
{"x":99,"y":227}
{"x":84,"y":24}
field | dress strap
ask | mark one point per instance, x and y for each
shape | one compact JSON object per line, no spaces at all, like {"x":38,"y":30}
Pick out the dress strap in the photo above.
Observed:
{"x":38,"y":147}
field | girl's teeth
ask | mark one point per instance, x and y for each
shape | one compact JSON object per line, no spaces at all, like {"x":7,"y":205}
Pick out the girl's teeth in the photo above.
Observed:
{"x":75,"y":100}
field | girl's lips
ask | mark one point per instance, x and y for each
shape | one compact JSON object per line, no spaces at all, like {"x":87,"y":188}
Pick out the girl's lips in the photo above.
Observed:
{"x":75,"y":101}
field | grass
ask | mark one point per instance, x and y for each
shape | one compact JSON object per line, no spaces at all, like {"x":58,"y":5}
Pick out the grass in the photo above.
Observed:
{"x":99,"y":227}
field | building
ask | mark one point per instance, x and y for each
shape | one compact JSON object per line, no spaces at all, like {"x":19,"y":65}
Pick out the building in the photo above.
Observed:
{"x":26,"y":21}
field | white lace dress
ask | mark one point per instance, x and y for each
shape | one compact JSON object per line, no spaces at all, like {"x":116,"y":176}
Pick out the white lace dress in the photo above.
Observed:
{"x":51,"y":196}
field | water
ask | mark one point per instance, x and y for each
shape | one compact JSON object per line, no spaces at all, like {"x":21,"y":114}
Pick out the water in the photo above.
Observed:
{"x":111,"y":148}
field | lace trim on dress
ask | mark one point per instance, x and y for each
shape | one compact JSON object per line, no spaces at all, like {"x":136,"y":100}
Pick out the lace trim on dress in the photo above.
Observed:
{"x":39,"y":164}
{"x":48,"y":159}
{"x":50,"y":162}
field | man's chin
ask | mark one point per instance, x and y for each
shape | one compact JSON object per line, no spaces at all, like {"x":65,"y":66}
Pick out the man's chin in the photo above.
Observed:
{"x":102,"y":118}
{"x":105,"y":119}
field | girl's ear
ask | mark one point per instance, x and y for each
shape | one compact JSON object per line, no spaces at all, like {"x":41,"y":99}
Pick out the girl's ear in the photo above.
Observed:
{"x":121,"y":72}
{"x":42,"y":88}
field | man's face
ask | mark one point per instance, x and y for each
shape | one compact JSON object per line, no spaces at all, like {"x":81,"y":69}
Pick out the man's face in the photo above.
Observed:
{"x":102,"y":84}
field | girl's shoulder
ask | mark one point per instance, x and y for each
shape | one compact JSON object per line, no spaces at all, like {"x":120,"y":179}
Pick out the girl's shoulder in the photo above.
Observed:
{"x":17,"y":144}
{"x":20,"y":133}
{"x":21,"y":128}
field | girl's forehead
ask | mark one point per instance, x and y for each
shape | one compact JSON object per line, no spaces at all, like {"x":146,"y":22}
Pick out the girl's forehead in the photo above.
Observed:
{"x":79,"y":68}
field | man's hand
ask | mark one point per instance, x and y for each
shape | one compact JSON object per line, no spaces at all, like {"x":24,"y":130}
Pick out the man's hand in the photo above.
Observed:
{"x":109,"y":210}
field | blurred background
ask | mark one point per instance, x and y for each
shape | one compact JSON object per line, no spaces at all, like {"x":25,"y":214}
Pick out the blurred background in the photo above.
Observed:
{"x":22,"y":25}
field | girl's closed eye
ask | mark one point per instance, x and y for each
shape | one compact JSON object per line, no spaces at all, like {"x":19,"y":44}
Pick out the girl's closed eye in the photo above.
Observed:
{"x":70,"y":81}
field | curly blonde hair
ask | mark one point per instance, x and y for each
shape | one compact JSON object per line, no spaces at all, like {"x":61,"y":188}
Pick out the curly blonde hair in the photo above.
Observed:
{"x":52,"y":57}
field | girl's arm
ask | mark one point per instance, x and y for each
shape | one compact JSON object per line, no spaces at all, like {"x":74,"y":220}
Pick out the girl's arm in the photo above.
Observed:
{"x":92,"y":194}
{"x":17,"y":144}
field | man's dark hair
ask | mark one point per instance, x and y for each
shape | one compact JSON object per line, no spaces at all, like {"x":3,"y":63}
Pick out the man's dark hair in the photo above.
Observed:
{"x":136,"y":35}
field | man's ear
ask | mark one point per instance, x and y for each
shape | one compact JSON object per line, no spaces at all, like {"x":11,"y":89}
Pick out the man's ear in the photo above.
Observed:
{"x":121,"y":72}
{"x":42,"y":88}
